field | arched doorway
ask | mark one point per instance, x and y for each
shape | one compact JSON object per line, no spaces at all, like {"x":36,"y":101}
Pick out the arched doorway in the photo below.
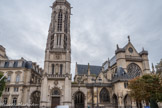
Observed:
{"x":104,"y":96}
{"x":79,"y":100}
{"x":55,"y":95}
{"x":115,"y":101}
{"x":35,"y":99}
{"x":127,"y":102}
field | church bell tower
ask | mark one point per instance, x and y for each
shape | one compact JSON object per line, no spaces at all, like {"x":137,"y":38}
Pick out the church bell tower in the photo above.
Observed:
{"x":56,"y":83}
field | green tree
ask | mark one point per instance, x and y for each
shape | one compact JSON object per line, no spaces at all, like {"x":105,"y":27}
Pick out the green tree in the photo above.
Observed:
{"x":2,"y":84}
{"x":148,"y":88}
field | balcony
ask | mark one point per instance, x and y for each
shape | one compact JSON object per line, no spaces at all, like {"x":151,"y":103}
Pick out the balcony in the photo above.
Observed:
{"x":133,"y":58}
{"x":6,"y":93}
{"x":56,"y":76}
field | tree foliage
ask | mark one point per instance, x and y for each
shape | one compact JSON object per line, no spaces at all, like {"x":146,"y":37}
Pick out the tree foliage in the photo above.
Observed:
{"x":2,"y":84}
{"x":147,"y":87}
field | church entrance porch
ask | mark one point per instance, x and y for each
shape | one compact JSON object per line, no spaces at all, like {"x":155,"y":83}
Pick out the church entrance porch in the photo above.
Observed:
{"x":55,"y":102}
{"x":79,"y":100}
{"x":55,"y":97}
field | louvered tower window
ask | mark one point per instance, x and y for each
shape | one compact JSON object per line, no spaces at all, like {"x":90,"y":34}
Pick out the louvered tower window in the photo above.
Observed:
{"x":66,"y":23}
{"x":59,"y":26}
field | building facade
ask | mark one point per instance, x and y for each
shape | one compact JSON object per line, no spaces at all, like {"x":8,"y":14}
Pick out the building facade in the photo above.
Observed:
{"x":23,"y":82}
{"x":104,"y":85}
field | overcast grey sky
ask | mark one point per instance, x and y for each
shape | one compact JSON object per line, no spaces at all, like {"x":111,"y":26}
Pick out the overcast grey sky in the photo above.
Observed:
{"x":96,"y":27}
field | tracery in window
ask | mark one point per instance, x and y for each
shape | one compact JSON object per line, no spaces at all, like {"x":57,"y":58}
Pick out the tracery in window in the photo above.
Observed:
{"x":59,"y":26}
{"x":134,"y":70}
{"x":56,"y":92}
{"x":104,"y":96}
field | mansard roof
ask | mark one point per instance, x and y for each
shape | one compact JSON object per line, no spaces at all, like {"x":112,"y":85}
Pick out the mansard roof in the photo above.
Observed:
{"x":83,"y":69}
{"x":21,"y":63}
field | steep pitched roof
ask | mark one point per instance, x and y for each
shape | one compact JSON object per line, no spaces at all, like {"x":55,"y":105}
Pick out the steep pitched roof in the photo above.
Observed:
{"x":121,"y":75}
{"x":112,"y":61}
{"x":83,"y":69}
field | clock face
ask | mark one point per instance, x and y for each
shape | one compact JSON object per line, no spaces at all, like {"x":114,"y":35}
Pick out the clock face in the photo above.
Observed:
{"x":133,"y":70}
{"x":130,"y":50}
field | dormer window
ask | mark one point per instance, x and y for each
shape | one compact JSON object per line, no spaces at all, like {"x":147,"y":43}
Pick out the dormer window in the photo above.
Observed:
{"x":15,"y":64}
{"x":6,"y":65}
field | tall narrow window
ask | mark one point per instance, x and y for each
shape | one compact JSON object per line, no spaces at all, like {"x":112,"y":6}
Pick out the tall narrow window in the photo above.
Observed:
{"x":6,"y":65}
{"x":16,"y":89}
{"x":104,"y":96}
{"x":15,"y":64}
{"x":66,"y":23}
{"x":14,"y":101}
{"x":60,"y":39}
{"x":17,"y":78}
{"x":53,"y":68}
{"x":59,"y":26}
{"x":61,"y":67}
{"x":7,"y":89}
{"x":52,"y":42}
{"x":57,"y":39}
{"x":5,"y":101}
{"x":9,"y":78}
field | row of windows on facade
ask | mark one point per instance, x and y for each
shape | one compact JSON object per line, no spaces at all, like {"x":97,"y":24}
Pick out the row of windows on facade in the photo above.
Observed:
{"x":15,"y":65}
{"x":7,"y":89}
{"x":58,"y":42}
{"x":104,"y":97}
{"x":14,"y":101}
{"x":53,"y":68}
{"x":17,"y":78}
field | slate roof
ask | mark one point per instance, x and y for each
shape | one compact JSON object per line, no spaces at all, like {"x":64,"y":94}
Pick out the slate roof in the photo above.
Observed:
{"x":112,"y":61}
{"x":83,"y":69}
{"x":121,"y":75}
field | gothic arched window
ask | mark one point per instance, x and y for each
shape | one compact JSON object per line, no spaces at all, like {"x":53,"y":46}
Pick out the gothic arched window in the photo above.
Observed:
{"x":104,"y":96}
{"x":66,"y":22}
{"x":133,"y":70}
{"x":79,"y":100}
{"x":56,"y":92}
{"x":59,"y":26}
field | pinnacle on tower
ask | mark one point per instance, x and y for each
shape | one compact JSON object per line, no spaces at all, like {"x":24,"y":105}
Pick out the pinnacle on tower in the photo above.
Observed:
{"x":128,"y":38}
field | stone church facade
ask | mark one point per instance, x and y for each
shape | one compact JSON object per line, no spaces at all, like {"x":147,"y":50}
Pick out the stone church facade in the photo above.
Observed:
{"x":104,"y":85}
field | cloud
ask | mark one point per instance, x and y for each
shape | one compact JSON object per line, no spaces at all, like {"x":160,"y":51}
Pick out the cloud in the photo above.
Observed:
{"x":96,"y":27}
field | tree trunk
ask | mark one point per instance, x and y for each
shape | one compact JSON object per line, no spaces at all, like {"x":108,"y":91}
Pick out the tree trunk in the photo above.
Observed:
{"x":153,"y":104}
